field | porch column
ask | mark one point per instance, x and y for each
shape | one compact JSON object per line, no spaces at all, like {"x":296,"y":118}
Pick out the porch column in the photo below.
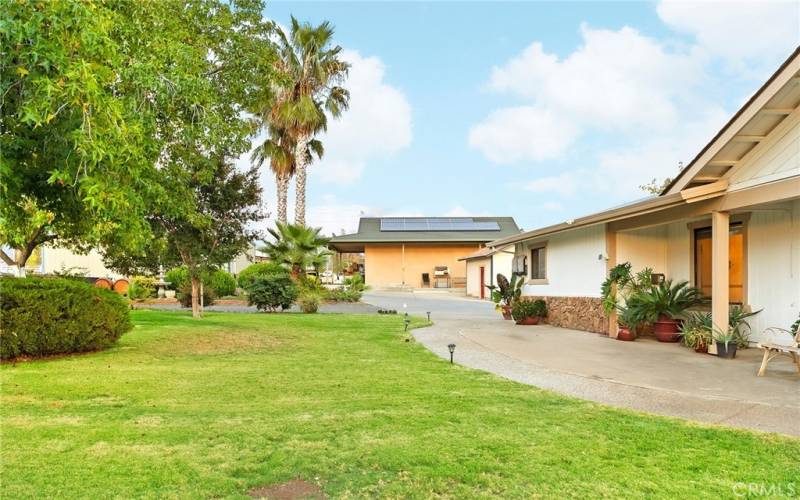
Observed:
{"x":611,"y":261}
{"x":720,"y":262}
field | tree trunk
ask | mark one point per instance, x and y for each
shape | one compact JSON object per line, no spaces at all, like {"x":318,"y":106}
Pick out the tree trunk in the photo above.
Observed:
{"x":301,"y":159}
{"x":195,"y":296}
{"x":282,"y":184}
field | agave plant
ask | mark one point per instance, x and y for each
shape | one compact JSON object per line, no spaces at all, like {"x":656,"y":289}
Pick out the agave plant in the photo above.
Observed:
{"x":664,"y":300}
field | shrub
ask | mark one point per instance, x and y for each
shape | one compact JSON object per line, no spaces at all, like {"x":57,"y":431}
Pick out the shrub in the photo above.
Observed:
{"x":45,"y":316}
{"x":222,"y":283}
{"x":309,"y":303}
{"x":272,"y":291}
{"x":352,"y":290}
{"x":142,"y":287}
{"x":260,"y":269}
{"x":522,"y":309}
{"x":185,"y":295}
{"x":177,"y":277}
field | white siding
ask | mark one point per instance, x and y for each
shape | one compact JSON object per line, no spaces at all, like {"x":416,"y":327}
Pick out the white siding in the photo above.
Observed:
{"x":58,"y":259}
{"x":679,"y":252}
{"x":773,"y":261}
{"x":644,"y":248}
{"x":501,"y":263}
{"x":777,"y":158}
{"x":474,"y":276}
{"x":574,"y":268}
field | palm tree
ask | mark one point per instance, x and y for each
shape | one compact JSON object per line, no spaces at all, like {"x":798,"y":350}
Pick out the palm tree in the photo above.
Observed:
{"x":314,"y":73}
{"x":280,"y":149}
{"x":297,"y":246}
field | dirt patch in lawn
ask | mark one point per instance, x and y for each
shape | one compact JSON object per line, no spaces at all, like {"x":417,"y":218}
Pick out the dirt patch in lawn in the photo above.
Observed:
{"x":290,"y":490}
{"x":223,"y":342}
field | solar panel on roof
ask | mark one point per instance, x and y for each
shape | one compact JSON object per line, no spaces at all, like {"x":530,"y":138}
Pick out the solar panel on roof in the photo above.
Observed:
{"x":437,"y":224}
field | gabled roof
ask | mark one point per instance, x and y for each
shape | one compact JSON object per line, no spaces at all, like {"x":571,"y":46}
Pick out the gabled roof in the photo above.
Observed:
{"x":750,"y":125}
{"x":706,"y":176}
{"x":369,"y":230}
{"x":485,"y":252}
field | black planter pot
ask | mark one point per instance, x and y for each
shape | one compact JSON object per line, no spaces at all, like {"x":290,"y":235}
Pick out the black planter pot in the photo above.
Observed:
{"x":726,"y":352}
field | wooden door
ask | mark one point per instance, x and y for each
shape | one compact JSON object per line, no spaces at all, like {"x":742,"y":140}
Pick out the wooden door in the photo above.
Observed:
{"x":736,"y":264}
{"x":482,"y":282}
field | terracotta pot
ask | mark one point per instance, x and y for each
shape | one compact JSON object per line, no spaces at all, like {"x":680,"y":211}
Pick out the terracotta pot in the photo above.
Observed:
{"x":701,"y":348}
{"x":506,"y":312}
{"x":625,"y":334}
{"x":533,"y":320}
{"x":666,"y":330}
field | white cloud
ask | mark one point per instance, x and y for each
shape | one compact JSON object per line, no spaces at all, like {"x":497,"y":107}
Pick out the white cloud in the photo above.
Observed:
{"x":616,"y":81}
{"x":756,"y":33}
{"x":510,"y":135}
{"x":564,"y":184}
{"x":377,"y":125}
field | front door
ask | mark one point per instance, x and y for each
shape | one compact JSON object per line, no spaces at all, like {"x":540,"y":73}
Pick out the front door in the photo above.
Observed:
{"x":702,"y":262}
{"x":482,"y":282}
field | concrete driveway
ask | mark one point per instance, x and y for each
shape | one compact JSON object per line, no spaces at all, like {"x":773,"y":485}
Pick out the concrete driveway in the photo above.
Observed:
{"x":665,"y":379}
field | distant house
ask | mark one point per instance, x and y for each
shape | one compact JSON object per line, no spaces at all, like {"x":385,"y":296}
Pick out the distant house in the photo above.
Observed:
{"x":420,"y":252}
{"x":484,"y":265}
{"x":50,"y":260}
{"x":729,"y":223}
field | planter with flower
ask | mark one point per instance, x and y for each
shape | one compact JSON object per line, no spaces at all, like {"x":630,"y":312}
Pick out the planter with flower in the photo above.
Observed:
{"x":621,"y":284}
{"x":696,"y":331}
{"x":628,"y":322}
{"x":662,"y":306}
{"x":506,"y":293}
{"x":529,"y":312}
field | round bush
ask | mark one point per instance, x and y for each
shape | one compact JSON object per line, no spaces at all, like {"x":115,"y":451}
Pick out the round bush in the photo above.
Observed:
{"x":46,"y":316}
{"x":222,"y":283}
{"x":270,"y":292}
{"x":309,"y":303}
{"x":177,"y":277}
{"x":260,"y":269}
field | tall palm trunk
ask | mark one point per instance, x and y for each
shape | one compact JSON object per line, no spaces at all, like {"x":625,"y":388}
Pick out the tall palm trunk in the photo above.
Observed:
{"x":282,"y":183}
{"x":301,"y":164}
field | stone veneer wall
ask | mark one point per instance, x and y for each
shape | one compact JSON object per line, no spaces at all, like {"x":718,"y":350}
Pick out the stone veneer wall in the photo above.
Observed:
{"x":579,"y":313}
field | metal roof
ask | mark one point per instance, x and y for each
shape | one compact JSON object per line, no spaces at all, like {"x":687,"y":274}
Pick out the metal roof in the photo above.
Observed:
{"x":436,"y":230}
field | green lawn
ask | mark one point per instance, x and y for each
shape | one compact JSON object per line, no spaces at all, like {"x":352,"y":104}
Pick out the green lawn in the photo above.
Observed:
{"x":212,"y":408}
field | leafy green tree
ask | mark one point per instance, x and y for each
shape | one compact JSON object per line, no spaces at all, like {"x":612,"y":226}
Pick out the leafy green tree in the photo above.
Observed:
{"x":100,"y":99}
{"x":313,"y":74}
{"x":298,"y":247}
{"x":71,"y":147}
{"x":225,"y":205}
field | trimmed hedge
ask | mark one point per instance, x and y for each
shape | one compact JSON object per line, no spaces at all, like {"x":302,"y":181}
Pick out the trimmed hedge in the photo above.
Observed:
{"x":268,"y":293}
{"x":46,"y":316}
{"x":260,"y":270}
{"x":223,"y":283}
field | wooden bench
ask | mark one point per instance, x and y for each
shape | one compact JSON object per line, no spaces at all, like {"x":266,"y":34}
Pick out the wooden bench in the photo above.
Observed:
{"x":791,"y":348}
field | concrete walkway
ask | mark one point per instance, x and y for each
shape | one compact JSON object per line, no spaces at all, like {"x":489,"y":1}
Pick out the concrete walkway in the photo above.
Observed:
{"x":665,"y":379}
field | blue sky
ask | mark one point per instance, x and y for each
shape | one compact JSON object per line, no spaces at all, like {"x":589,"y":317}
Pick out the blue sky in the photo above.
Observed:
{"x":542,"y":110}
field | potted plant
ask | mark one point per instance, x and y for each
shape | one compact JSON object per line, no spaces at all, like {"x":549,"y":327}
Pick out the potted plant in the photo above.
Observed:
{"x":662,"y":304}
{"x":726,"y":342}
{"x":620,"y":285}
{"x":506,"y":293}
{"x":696,"y":331}
{"x":627,"y":321}
{"x":528,"y":312}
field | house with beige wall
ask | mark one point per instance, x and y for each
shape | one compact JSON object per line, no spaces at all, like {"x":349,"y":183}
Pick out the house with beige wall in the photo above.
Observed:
{"x":729,"y":224}
{"x":420,"y":252}
{"x":483,"y":266}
